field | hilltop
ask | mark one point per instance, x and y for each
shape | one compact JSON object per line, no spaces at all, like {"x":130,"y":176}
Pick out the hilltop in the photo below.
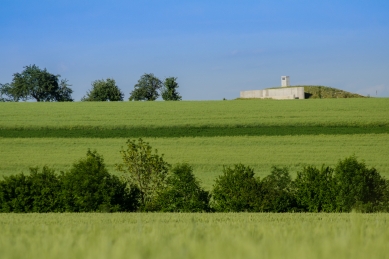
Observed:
{"x":323,"y":92}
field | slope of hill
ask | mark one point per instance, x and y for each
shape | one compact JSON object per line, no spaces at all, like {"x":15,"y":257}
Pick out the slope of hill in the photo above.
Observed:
{"x":322,"y":92}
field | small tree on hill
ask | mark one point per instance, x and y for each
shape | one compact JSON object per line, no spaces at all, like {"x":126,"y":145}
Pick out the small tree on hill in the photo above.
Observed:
{"x":169,"y":90}
{"x":104,"y":90}
{"x":146,"y":89}
{"x":38,"y":84}
{"x":144,"y":169}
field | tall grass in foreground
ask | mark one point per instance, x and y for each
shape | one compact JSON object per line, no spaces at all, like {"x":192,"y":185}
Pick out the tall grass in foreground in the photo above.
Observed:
{"x":175,"y":235}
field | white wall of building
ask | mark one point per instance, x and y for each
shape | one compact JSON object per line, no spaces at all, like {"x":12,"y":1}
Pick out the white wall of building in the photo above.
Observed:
{"x":277,"y":93}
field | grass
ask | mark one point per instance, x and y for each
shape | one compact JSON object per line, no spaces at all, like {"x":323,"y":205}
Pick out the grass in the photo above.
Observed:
{"x":206,"y":154}
{"x":208,"y":135}
{"x":366,"y":112}
{"x":234,"y":235}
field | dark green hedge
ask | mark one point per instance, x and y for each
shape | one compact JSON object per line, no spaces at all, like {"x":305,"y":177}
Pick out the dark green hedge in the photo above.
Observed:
{"x":88,"y":187}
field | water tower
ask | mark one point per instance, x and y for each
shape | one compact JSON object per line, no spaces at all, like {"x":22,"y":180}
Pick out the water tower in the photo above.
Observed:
{"x":285,"y":81}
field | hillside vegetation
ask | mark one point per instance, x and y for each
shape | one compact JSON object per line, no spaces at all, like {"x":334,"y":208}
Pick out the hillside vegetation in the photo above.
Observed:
{"x":324,"y":92}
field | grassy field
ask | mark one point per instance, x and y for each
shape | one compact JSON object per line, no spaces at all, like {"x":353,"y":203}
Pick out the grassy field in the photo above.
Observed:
{"x":208,"y":134}
{"x":206,"y":154}
{"x":234,"y":235}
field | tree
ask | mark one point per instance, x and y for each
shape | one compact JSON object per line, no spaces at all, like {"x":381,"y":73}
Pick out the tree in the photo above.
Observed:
{"x":5,"y":93}
{"x":89,"y":187}
{"x":104,"y":90}
{"x":146,"y":89}
{"x":183,"y":192}
{"x":358,"y":187}
{"x":169,"y":90}
{"x":236,"y":190}
{"x":38,"y":84}
{"x":145,"y":170}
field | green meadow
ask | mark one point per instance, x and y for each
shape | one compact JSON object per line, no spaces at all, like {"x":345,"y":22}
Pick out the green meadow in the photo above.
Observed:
{"x":206,"y":134}
{"x":180,"y":235}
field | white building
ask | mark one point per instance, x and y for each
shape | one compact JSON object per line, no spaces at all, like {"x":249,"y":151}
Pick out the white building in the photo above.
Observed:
{"x":285,"y":82}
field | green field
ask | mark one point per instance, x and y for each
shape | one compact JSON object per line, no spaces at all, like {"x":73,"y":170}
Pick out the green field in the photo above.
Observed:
{"x":233,"y":235}
{"x":206,"y":134}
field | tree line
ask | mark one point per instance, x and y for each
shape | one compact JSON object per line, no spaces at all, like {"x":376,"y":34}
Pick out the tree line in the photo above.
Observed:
{"x":149,"y":183}
{"x":38,"y":84}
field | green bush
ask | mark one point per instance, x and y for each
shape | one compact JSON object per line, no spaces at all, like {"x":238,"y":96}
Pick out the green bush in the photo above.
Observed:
{"x":236,"y":190}
{"x":89,"y":187}
{"x":183,"y":192}
{"x":277,"y":192}
{"x":358,"y":187}
{"x":37,"y":192}
{"x":315,"y":189}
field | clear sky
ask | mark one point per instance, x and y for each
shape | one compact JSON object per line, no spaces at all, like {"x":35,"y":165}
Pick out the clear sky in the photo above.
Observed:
{"x":214,"y":48}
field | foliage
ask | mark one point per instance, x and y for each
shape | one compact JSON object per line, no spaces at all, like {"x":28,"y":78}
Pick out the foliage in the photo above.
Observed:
{"x":236,"y":189}
{"x":38,"y":84}
{"x":183,"y":192}
{"x":145,"y":170}
{"x":5,"y":93}
{"x":358,"y":187}
{"x":89,"y":187}
{"x":104,"y":90}
{"x":315,"y":189}
{"x":277,"y":192}
{"x":37,"y":192}
{"x":322,"y":92}
{"x":169,"y":90}
{"x":146,"y":89}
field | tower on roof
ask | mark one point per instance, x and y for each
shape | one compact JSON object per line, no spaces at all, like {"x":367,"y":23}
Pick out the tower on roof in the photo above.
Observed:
{"x":285,"y":81}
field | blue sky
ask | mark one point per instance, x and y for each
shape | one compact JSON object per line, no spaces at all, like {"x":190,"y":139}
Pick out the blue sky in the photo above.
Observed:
{"x":214,"y":48}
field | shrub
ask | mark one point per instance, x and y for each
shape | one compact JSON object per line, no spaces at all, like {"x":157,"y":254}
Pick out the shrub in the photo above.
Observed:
{"x":358,"y":187}
{"x":315,"y":189}
{"x":236,"y":190}
{"x":277,"y":192}
{"x":183,"y":192}
{"x":89,"y":187}
{"x":145,"y":170}
{"x":37,"y":192}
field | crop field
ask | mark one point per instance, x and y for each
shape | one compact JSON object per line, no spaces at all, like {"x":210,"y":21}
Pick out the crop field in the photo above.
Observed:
{"x":233,"y":235}
{"x":208,"y":134}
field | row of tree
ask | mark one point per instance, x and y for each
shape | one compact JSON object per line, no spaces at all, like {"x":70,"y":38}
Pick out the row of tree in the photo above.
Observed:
{"x":42,"y":86}
{"x":149,"y":183}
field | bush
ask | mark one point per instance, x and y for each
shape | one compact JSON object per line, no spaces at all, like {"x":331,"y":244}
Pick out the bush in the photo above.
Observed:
{"x":236,"y":190}
{"x":89,"y":187}
{"x":315,"y":189}
{"x":144,"y":169}
{"x":358,"y":187}
{"x":183,"y":192}
{"x":37,"y":192}
{"x":277,"y":192}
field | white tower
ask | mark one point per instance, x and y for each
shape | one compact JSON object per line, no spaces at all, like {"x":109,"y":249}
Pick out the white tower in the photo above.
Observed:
{"x":285,"y":81}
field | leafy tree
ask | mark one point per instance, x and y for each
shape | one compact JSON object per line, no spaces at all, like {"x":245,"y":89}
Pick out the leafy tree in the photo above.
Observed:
{"x":37,"y":192}
{"x":277,"y":192}
{"x":236,"y":190}
{"x":145,"y":170}
{"x":146,"y":89}
{"x":315,"y":189}
{"x":5,"y":93}
{"x":358,"y":187}
{"x":169,"y":90}
{"x":183,"y":192}
{"x":89,"y":187}
{"x":38,"y":84}
{"x":104,"y":90}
